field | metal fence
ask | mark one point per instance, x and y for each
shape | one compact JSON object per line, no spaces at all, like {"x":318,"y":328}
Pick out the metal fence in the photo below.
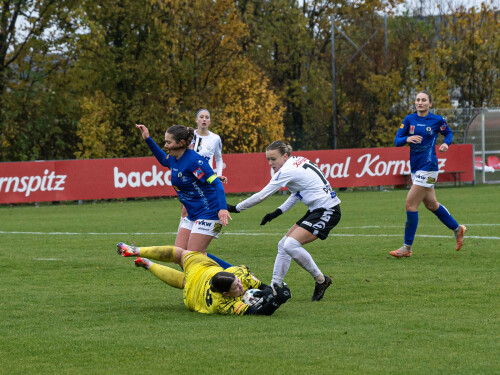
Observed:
{"x":480,"y":127}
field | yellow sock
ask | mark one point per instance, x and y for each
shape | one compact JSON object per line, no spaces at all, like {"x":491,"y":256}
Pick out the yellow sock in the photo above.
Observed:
{"x":161,"y":253}
{"x":168,"y":275}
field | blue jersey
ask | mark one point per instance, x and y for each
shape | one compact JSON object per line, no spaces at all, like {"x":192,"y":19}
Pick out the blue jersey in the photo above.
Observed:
{"x":423,"y":155}
{"x":195,"y":182}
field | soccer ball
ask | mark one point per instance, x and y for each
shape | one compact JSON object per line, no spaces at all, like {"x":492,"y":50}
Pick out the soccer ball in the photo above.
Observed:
{"x":250,"y":299}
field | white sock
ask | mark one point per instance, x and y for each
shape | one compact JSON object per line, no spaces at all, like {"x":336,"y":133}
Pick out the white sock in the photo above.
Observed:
{"x":281,"y":264}
{"x":320,"y":279}
{"x":301,"y":256}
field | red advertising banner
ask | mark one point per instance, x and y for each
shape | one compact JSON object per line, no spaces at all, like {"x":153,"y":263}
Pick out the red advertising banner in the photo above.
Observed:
{"x":144,"y":177}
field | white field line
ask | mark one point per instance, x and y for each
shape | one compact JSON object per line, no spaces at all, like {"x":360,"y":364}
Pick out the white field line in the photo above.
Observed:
{"x":420,"y":226}
{"x":235,"y":234}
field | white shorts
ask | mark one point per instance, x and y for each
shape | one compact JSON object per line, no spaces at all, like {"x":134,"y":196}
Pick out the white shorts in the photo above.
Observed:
{"x":202,"y":226}
{"x":424,"y":178}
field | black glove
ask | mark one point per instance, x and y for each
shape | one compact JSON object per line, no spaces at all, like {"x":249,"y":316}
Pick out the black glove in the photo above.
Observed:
{"x":232,"y":208}
{"x":283,"y":293}
{"x":266,"y":291}
{"x":271,"y":216}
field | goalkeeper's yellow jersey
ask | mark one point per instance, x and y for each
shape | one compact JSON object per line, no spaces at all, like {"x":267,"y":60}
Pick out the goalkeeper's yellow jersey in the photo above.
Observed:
{"x":199,"y":270}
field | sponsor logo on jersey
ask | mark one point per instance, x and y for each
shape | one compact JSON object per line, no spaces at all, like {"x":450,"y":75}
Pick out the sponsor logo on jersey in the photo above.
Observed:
{"x":200,"y":162}
{"x":412,"y":129}
{"x":443,"y":127}
{"x":300,"y":161}
{"x":199,"y":173}
{"x":203,"y":223}
{"x":320,"y":225}
{"x":179,"y":174}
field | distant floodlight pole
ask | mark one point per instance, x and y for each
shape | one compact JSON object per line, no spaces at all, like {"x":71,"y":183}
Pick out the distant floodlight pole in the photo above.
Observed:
{"x":333,"y":140}
{"x":386,"y":44}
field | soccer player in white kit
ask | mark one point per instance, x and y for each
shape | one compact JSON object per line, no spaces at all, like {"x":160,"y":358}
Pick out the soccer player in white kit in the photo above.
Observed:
{"x":306,"y":183}
{"x":207,"y":143}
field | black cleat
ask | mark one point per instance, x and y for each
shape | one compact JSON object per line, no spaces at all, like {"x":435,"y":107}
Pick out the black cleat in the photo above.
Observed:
{"x":320,"y":289}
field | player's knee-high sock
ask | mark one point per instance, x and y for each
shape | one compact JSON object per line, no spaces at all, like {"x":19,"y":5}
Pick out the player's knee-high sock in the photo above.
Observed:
{"x":444,"y":215}
{"x":281,"y":264}
{"x":219,"y":261}
{"x":161,"y":253}
{"x":168,"y":275}
{"x":411,"y":226}
{"x":303,"y":258}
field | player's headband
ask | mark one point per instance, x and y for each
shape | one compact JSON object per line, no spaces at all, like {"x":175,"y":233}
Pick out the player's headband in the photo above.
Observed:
{"x":203,"y":109}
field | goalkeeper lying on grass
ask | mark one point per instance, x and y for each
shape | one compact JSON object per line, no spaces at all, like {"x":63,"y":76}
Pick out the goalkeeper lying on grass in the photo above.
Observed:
{"x":207,"y":287}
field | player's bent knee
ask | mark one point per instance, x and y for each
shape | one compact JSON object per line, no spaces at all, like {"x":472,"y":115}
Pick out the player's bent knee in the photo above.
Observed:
{"x":292,"y":247}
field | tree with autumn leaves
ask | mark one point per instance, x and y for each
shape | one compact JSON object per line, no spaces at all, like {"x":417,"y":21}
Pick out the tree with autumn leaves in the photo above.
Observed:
{"x":76,"y":75}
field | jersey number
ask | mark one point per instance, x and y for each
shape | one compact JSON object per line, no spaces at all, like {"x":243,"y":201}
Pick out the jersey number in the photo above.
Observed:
{"x":315,"y":170}
{"x":208,"y":299}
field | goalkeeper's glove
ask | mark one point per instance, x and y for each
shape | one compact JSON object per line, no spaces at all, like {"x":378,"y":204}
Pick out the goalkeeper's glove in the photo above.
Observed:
{"x":265,"y":291}
{"x":271,"y":216}
{"x":283,"y":293}
{"x":232,"y":208}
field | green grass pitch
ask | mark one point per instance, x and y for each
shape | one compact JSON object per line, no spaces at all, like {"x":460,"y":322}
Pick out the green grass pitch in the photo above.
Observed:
{"x":71,"y":305}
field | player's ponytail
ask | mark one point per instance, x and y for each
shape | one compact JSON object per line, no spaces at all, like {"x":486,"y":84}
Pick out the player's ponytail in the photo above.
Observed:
{"x":281,"y":146}
{"x":221,"y":282}
{"x":181,"y":133}
{"x":190,"y":135}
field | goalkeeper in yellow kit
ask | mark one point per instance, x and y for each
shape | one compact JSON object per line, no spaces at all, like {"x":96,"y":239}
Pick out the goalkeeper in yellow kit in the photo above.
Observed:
{"x":207,"y":287}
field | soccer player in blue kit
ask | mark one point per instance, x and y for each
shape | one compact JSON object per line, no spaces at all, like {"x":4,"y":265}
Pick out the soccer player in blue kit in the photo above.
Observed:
{"x":420,"y":130}
{"x":208,"y":145}
{"x":197,"y":186}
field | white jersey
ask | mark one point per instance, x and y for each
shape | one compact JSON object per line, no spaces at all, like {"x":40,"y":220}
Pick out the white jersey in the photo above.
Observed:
{"x":209,"y":146}
{"x":305,"y":181}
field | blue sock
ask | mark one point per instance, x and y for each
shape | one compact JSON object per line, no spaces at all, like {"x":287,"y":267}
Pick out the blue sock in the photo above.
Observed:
{"x":443,"y":215}
{"x":221,"y":262}
{"x":411,"y":226}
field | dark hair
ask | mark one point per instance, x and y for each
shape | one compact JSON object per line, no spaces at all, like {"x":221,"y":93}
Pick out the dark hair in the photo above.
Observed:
{"x":221,"y":282}
{"x":281,"y":146}
{"x":180,"y":132}
{"x":426,"y":93}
